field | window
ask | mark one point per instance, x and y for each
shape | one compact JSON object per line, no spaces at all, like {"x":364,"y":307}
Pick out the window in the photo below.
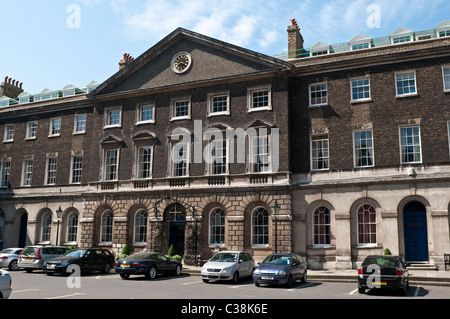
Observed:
{"x":80,"y":124}
{"x":218,"y":157}
{"x":410,"y":145}
{"x":27,"y":172}
{"x":146,"y":114}
{"x":106,"y":228}
{"x":113,"y":117}
{"x":367,"y":225}
{"x":52,"y":163}
{"x":406,"y":83}
{"x":217,"y":227}
{"x":402,"y":39}
{"x":259,"y":154}
{"x":55,"y":127}
{"x":318,"y":94}
{"x":5,"y":173}
{"x":363,"y":143}
{"x":260,"y":227}
{"x":140,"y":227}
{"x":321,"y":227}
{"x":180,"y":159}
{"x":259,"y":98}
{"x":72,"y":227}
{"x":111,"y":165}
{"x":46,"y":227}
{"x":360,"y":89}
{"x":181,"y":109}
{"x":320,"y":156}
{"x":218,"y":104}
{"x":446,"y":75}
{"x":32,"y":130}
{"x":9,"y":133}
{"x":77,"y":168}
{"x":144,"y":165}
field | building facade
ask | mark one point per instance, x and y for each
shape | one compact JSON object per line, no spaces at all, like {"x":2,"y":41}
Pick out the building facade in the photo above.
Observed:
{"x":333,"y":152}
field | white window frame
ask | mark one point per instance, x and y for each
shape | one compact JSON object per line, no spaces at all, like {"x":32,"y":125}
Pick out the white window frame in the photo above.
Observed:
{"x":139,"y":113}
{"x":108,"y":112}
{"x":256,"y":89}
{"x":352,"y":86}
{"x":400,"y":144}
{"x":74,"y":169}
{"x":75,"y":124}
{"x":106,"y":230}
{"x":320,"y":138}
{"x":222,"y":227}
{"x":10,"y":130}
{"x":72,"y":228}
{"x":396,"y":84}
{"x":310,"y":93}
{"x":50,"y":174}
{"x":355,"y":158}
{"x":27,"y":174}
{"x":144,"y":227}
{"x":105,"y":161}
{"x":29,"y":131}
{"x":138,"y":162}
{"x":173,"y":108}
{"x":257,"y":210}
{"x":172,"y":162}
{"x":53,"y":132}
{"x":211,"y":97}
{"x":211,"y":157}
{"x":370,"y":244}
{"x":5,"y":173}
{"x":253,"y":156}
{"x":446,"y":67}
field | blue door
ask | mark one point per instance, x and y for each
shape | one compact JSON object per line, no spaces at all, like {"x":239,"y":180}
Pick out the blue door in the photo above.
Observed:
{"x":416,"y":234}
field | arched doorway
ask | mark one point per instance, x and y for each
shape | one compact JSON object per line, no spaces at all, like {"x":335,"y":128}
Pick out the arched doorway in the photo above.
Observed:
{"x":415,"y":232}
{"x":176,"y":220}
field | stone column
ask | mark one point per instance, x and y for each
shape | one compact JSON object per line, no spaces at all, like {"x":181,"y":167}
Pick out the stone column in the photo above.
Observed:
{"x":343,"y":241}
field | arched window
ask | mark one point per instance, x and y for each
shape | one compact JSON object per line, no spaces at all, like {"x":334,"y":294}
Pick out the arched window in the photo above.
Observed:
{"x":321,"y":226}
{"x":367,"y":225}
{"x":217,"y":227}
{"x":72,"y":227}
{"x":140,"y":227}
{"x":106,"y":227}
{"x":260,"y":226}
{"x":46,"y":227}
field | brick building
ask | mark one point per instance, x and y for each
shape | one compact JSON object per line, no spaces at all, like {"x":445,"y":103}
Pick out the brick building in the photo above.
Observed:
{"x":195,"y":142}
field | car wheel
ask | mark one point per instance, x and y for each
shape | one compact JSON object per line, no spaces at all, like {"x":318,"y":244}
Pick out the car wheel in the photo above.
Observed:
{"x":152,"y":273}
{"x":205,"y":281}
{"x":28,"y":270}
{"x":178,"y":270}
{"x":257,"y":284}
{"x":235,"y":277}
{"x":305,"y":277}
{"x":124,"y":276}
{"x":289,"y":282}
{"x":107,"y":269}
{"x":13,"y":265}
{"x":361,"y":290}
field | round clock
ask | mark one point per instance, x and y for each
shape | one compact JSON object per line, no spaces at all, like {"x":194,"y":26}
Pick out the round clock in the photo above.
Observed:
{"x":181,"y":62}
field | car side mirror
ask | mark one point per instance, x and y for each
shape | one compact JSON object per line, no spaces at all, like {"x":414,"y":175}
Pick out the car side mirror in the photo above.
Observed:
{"x":241,"y":260}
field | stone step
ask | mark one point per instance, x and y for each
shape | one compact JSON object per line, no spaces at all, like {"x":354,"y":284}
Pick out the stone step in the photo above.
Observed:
{"x":422,"y":266}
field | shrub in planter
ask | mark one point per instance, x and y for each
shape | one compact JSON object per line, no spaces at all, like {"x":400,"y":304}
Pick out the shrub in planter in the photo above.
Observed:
{"x":387,"y":252}
{"x":172,"y":251}
{"x":176,"y":257}
{"x":126,"y":250}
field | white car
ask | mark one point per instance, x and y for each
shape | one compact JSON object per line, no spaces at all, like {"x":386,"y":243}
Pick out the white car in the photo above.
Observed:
{"x":228,"y":265}
{"x":5,"y":284}
{"x":9,"y":258}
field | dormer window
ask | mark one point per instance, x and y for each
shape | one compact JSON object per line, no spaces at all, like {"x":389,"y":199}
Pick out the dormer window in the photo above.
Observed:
{"x":402,"y":35}
{"x":320,"y":49}
{"x":443,"y":29}
{"x":360,"y":42}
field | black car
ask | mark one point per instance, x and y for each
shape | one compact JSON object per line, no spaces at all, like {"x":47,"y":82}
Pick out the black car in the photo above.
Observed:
{"x":384,"y":272}
{"x":147,"y":264}
{"x":88,"y":259}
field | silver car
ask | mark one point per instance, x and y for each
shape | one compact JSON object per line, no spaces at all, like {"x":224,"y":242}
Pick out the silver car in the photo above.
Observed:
{"x":5,"y":284}
{"x":228,"y":265}
{"x":9,"y":258}
{"x":34,"y":257}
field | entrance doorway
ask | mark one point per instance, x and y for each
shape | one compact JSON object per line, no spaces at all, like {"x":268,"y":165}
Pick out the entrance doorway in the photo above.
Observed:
{"x":177,"y":227}
{"x":416,"y":233}
{"x":23,"y":230}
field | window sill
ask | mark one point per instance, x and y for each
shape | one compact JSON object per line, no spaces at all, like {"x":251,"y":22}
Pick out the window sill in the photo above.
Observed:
{"x":406,"y":95}
{"x":361,"y":101}
{"x":259,"y":109}
{"x":318,"y":106}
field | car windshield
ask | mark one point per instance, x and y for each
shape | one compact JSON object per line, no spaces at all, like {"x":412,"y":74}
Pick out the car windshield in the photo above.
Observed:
{"x":225,"y":257}
{"x":278,"y":260}
{"x":29,"y":251}
{"x":76,"y":253}
{"x":382,"y":261}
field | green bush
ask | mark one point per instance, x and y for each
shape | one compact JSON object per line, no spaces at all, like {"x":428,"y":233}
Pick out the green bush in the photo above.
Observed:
{"x":387,"y":252}
{"x":126,"y":250}
{"x":172,"y":251}
{"x":177,"y":258}
{"x":120,"y":256}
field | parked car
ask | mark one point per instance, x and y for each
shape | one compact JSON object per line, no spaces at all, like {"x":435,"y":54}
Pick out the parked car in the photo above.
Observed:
{"x":9,"y":258}
{"x":228,"y":265}
{"x":280,"y":269}
{"x":147,"y":264}
{"x":5,"y":284}
{"x":385,"y":272}
{"x":92,"y":259}
{"x":34,"y":257}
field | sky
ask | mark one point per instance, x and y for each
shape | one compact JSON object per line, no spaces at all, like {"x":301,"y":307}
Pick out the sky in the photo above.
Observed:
{"x":48,"y":44}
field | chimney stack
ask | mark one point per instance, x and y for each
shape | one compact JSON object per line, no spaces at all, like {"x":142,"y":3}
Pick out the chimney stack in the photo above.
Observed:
{"x":295,"y":40}
{"x":127,"y":59}
{"x":10,"y":88}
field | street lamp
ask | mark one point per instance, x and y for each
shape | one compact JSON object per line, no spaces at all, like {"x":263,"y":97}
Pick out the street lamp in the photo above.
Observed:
{"x":166,"y":201}
{"x":58,"y":216}
{"x":276,"y":209}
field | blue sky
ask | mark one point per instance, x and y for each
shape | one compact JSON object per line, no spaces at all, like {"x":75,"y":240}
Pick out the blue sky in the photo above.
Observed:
{"x":52,"y":43}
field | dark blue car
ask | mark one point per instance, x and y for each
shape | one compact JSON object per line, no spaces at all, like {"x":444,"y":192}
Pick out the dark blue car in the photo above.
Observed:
{"x":280,"y":269}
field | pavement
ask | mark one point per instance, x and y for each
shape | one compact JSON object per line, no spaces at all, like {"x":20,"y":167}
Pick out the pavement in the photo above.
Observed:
{"x":417,"y":276}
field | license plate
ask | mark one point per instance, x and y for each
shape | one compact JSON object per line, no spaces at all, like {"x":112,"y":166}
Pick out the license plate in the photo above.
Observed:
{"x":27,"y":259}
{"x":267,"y":278}
{"x":126,"y":265}
{"x":51,"y":266}
{"x":379,"y":283}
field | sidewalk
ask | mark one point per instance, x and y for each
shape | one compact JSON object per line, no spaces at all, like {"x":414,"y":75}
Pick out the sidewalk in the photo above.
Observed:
{"x":417,"y":277}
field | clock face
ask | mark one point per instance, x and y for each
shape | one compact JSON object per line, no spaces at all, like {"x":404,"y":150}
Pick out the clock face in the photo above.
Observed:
{"x":181,"y":62}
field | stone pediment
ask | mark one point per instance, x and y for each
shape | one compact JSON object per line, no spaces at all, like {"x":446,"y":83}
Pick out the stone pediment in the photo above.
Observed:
{"x":210,"y":60}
